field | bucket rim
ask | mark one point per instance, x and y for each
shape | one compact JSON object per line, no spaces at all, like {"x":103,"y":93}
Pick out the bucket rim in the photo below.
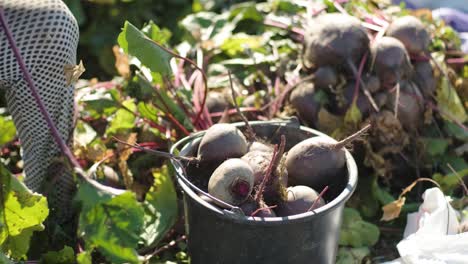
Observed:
{"x":227,"y":214}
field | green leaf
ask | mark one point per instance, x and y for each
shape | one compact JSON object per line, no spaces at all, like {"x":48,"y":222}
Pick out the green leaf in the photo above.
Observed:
{"x":450,"y":181}
{"x":458,"y":163}
{"x":238,"y":44}
{"x":288,"y":6}
{"x":166,"y":104}
{"x":84,"y":134}
{"x":99,"y":103}
{"x":348,"y":255}
{"x":148,"y":111}
{"x":135,"y":43}
{"x":449,"y":103}
{"x":456,"y":131}
{"x":8,"y":130}
{"x":110,"y":224}
{"x":124,"y":118}
{"x":84,"y":258}
{"x":22,"y":212}
{"x":436,"y":146}
{"x":245,"y":11}
{"x":160,"y":207}
{"x":4,"y":259}
{"x":353,"y":115}
{"x":152,"y":31}
{"x":64,"y":256}
{"x":356,"y":232}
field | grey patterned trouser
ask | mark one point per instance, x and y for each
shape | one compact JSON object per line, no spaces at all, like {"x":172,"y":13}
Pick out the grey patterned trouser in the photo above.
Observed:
{"x":46,"y":34}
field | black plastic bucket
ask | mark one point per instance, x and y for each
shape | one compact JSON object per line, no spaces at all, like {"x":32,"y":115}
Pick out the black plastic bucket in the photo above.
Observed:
{"x":220,"y":236}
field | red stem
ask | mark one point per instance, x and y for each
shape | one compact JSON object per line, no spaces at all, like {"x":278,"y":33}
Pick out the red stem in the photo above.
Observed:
{"x":358,"y":77}
{"x":318,"y":198}
{"x":234,"y":111}
{"x":456,"y":61}
{"x":169,"y":115}
{"x":205,"y":79}
{"x":262,"y":209}
{"x":272,"y":23}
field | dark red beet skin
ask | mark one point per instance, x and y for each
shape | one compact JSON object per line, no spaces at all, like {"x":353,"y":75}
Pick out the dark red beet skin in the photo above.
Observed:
{"x":390,"y":61}
{"x":334,"y":39}
{"x":220,"y":142}
{"x":299,"y":200}
{"x":411,"y":32}
{"x":303,"y":101}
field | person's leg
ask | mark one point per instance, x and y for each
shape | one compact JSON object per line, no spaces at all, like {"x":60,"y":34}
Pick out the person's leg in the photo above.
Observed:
{"x":46,"y":34}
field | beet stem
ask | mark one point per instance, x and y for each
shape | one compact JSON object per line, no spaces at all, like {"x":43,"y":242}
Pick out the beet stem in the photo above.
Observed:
{"x":318,"y":198}
{"x":351,"y":138}
{"x":250,"y":132}
{"x":359,"y":75}
{"x":363,"y":86}
{"x":275,"y":158}
{"x":397,"y":99}
{"x":157,"y":152}
{"x":205,"y":78}
{"x":262,"y":209}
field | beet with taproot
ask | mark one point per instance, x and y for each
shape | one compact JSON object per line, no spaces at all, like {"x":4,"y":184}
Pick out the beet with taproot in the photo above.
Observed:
{"x":220,"y":142}
{"x":412,"y":33}
{"x":303,"y":100}
{"x":318,"y":161}
{"x":390,"y":61}
{"x":335,"y":40}
{"x":232,"y":182}
{"x":300,"y":199}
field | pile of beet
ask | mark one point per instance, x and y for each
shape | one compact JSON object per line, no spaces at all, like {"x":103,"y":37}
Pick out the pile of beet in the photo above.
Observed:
{"x":376,"y":75}
{"x":266,"y":180}
{"x":389,"y":78}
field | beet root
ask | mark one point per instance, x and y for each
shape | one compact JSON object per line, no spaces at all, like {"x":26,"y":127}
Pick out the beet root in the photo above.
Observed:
{"x":318,"y":161}
{"x":411,"y":32}
{"x":252,"y":208}
{"x":216,"y":102}
{"x":410,"y":110}
{"x":391,"y":61}
{"x":302,"y":99}
{"x":314,"y":162}
{"x":373,"y":83}
{"x":334,"y":40}
{"x":361,"y":102}
{"x":232,"y":182}
{"x":424,"y":78}
{"x":259,"y":162}
{"x":259,"y":146}
{"x":325,"y":77}
{"x":300,"y":199}
{"x":220,"y":142}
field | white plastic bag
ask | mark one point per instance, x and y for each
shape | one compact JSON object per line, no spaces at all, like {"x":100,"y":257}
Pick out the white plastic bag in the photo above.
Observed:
{"x":431,"y":234}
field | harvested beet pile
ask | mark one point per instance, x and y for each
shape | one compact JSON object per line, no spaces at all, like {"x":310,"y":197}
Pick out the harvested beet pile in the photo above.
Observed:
{"x":367,"y":76}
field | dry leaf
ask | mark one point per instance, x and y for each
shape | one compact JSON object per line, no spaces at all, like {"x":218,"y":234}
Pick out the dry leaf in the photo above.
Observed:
{"x":393,"y":209}
{"x":423,"y":13}
{"x":121,"y":62}
{"x":126,"y":174}
{"x":124,"y":153}
{"x":73,"y":72}
{"x":124,"y":150}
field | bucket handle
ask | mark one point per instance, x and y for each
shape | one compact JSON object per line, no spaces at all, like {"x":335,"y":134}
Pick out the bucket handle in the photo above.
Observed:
{"x":234,"y":211}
